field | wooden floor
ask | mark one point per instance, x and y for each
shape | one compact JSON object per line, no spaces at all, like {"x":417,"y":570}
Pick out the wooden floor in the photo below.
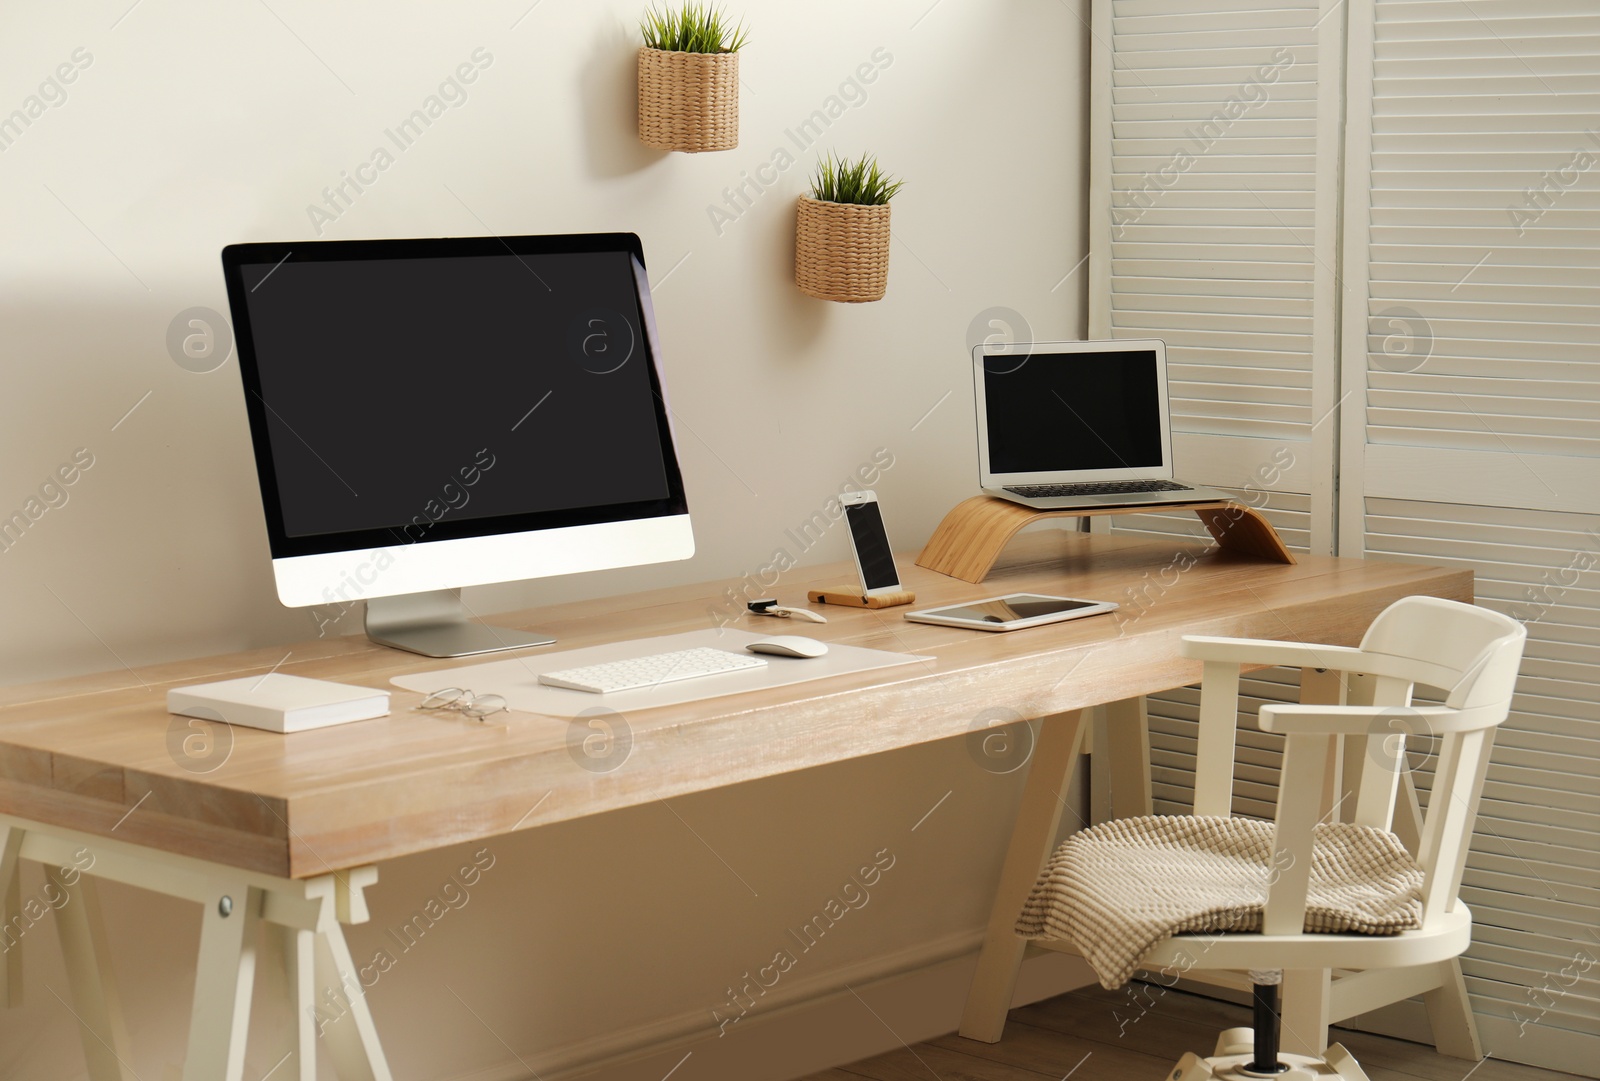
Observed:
{"x":1138,"y":1034}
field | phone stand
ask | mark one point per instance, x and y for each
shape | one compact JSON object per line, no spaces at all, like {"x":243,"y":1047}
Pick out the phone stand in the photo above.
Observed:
{"x":853,"y":597}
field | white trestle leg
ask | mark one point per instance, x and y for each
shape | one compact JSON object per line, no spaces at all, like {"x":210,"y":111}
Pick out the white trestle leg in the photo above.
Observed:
{"x":90,"y":984}
{"x":288,"y":959}
{"x":224,"y":981}
{"x":10,"y":911}
{"x":352,"y":1040}
{"x":295,"y":924}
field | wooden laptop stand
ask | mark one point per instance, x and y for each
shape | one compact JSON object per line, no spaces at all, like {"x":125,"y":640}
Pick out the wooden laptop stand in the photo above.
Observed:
{"x":976,"y":531}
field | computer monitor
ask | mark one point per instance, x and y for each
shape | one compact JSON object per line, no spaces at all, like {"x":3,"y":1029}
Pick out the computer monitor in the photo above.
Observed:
{"x":433,"y":414}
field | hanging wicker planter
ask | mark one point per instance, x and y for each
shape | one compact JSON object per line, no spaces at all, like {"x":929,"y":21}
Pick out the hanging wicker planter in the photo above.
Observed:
{"x":841,"y":250}
{"x":688,"y":101}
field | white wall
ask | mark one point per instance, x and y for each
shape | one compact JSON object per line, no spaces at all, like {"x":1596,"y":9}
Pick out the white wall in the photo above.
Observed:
{"x":195,"y":125}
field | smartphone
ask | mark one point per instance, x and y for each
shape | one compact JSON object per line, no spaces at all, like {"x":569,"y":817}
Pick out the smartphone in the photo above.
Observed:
{"x":869,"y":541}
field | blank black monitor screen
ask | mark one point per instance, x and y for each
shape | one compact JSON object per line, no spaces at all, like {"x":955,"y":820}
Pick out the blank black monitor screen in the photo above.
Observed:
{"x":1061,"y":411}
{"x":424,"y":390}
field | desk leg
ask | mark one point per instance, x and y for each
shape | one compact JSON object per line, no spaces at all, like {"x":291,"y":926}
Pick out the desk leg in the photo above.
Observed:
{"x":1128,"y":744}
{"x":94,"y":992}
{"x":223,"y":984}
{"x":305,"y":918}
{"x":289,"y":957}
{"x":352,"y":1039}
{"x":1097,"y":745}
{"x":10,"y":913}
{"x":1032,"y":840}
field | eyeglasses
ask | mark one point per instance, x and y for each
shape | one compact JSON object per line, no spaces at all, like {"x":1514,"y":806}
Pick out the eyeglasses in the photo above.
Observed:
{"x":460,"y":700}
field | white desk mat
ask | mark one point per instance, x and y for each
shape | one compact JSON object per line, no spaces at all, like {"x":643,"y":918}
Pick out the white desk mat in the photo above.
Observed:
{"x":517,"y":679}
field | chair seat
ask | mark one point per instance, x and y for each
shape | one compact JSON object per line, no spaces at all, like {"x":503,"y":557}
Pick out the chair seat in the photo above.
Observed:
{"x":1121,"y":889}
{"x":1446,"y":937}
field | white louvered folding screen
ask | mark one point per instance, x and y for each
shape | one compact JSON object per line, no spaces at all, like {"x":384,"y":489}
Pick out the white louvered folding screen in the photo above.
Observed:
{"x":1471,"y":437}
{"x":1212,"y":222}
{"x":1213,"y":193}
{"x":1468,"y":296}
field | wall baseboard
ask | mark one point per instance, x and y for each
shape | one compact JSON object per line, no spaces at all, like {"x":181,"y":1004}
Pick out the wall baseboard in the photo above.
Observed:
{"x":838,"y":1017}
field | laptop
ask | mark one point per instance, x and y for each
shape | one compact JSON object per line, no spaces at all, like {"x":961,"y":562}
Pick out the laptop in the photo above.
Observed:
{"x":1078,"y":424}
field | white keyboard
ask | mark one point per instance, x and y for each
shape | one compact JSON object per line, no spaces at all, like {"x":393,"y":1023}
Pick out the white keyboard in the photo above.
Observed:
{"x":636,"y":672}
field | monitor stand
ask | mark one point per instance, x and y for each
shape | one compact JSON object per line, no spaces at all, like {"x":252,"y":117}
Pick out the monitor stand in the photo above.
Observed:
{"x":437,"y":624}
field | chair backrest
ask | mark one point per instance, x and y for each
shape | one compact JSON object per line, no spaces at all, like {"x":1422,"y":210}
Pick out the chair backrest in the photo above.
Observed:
{"x":1472,"y":654}
{"x":1459,"y":648}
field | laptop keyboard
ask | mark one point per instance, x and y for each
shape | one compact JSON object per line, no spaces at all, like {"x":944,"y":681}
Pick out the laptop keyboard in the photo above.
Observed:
{"x":1121,"y":487}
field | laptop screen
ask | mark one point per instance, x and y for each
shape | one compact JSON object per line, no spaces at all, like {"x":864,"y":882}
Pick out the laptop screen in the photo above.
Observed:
{"x":1073,"y":410}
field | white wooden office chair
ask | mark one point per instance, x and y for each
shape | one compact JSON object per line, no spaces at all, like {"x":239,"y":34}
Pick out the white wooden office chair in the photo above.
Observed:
{"x":1470,"y":653}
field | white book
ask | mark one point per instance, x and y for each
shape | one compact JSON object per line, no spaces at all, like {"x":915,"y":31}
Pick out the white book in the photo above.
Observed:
{"x":278,"y":702}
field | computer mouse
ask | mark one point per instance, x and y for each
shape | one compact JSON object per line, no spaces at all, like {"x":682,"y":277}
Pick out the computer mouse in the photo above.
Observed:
{"x":788,"y":645}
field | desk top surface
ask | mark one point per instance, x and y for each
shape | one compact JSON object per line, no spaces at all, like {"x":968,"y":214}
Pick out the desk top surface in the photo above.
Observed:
{"x":100,"y":752}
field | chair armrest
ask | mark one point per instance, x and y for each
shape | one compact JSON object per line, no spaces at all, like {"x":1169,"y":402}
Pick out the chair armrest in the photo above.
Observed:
{"x":1223,"y":658}
{"x":1291,"y":718}
{"x":1267,"y":652}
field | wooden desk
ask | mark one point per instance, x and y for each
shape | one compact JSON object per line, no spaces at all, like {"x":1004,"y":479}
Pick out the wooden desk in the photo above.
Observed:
{"x":288,"y":828}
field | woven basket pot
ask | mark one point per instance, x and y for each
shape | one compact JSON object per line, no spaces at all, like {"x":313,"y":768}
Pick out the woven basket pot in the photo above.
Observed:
{"x":688,"y":101}
{"x":841,"y":250}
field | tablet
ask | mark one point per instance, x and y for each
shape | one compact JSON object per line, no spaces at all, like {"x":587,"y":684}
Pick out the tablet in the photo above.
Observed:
{"x":1011,"y":612}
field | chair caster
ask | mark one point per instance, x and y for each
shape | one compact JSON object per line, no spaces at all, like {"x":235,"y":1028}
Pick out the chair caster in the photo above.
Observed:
{"x":1191,"y":1067}
{"x":1344,"y":1063}
{"x":1235,"y":1041}
{"x":1336,"y":1063}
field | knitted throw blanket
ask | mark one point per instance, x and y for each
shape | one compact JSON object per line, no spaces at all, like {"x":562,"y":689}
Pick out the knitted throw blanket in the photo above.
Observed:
{"x":1117,"y":889}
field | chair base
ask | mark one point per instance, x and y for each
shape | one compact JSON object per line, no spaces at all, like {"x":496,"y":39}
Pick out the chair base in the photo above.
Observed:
{"x":1234,"y":1056}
